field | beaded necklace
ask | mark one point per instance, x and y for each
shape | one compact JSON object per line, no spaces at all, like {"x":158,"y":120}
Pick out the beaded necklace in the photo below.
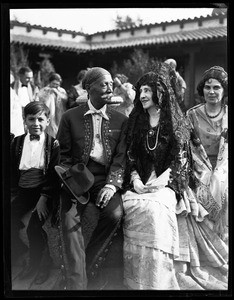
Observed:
{"x":151,"y":133}
{"x":212,"y":117}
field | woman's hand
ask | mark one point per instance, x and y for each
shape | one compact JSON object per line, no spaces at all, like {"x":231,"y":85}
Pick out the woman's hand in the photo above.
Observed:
{"x":41,"y":208}
{"x":117,"y":82}
{"x":55,"y":91}
{"x":139,"y":187}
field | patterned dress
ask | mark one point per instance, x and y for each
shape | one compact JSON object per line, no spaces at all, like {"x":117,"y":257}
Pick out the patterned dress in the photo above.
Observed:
{"x":151,"y":240}
{"x":211,"y":166}
{"x":203,"y":222}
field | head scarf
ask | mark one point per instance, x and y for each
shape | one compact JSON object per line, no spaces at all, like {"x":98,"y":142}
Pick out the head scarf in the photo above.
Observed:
{"x":217,"y":73}
{"x":93,"y":75}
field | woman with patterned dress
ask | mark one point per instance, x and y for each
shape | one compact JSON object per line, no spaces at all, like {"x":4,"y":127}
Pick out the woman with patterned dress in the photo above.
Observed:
{"x":210,"y":122}
{"x":203,"y":261}
{"x":155,"y":178}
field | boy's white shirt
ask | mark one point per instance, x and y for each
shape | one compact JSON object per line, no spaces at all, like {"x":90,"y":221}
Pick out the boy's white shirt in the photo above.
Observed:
{"x":33,"y":153}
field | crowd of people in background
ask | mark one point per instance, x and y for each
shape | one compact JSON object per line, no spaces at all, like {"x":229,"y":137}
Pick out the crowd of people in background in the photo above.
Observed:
{"x":154,"y":176}
{"x":76,"y":94}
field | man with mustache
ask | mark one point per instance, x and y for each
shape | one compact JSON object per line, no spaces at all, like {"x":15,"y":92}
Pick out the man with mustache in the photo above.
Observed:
{"x":92,"y":133}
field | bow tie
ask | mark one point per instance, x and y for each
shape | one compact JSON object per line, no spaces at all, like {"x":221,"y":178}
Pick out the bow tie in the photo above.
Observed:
{"x":98,"y":112}
{"x":24,"y":85}
{"x":34,"y":137}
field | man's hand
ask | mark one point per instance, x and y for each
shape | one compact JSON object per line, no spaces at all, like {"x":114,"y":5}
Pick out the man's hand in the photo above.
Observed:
{"x":41,"y":208}
{"x":104,"y":197}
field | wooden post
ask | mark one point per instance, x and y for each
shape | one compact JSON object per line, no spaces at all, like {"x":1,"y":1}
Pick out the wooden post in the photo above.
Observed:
{"x":191,"y":82}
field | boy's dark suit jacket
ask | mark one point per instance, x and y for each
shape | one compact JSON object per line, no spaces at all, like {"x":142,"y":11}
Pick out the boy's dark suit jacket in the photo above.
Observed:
{"x":51,"y":183}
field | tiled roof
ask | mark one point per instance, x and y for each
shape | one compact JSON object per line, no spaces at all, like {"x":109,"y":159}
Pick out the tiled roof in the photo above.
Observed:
{"x":218,"y":14}
{"x":88,"y":42}
{"x":54,"y":44}
{"x":170,"y":38}
{"x":34,"y":26}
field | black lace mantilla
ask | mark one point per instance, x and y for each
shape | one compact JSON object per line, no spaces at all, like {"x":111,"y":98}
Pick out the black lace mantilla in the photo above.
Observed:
{"x":172,"y":148}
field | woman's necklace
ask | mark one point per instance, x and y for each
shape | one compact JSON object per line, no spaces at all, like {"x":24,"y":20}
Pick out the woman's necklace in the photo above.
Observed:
{"x":212,"y":117}
{"x":151,"y":133}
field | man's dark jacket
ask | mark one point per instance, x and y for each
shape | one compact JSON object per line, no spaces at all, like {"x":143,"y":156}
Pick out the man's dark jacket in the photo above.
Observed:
{"x":75,"y":137}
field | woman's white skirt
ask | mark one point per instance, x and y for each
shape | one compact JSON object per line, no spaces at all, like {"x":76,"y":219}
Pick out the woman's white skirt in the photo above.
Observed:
{"x":151,"y":240}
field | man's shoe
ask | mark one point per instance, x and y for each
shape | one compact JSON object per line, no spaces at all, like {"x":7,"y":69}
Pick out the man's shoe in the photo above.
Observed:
{"x":28,"y":271}
{"x":42,"y":276}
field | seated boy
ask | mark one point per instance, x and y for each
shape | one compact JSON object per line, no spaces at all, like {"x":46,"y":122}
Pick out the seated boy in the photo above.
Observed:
{"x":34,"y":188}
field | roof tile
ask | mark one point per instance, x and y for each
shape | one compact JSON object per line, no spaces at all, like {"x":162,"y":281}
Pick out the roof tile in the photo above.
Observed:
{"x":166,"y":38}
{"x":183,"y":36}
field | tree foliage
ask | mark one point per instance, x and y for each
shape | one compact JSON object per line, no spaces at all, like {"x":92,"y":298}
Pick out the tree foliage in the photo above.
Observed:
{"x":134,"y":67}
{"x":124,"y":22}
{"x":18,"y":58}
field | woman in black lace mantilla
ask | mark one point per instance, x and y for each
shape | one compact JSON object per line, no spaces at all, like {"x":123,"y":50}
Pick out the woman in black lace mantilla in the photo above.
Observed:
{"x":171,"y":133}
{"x":156,"y":175}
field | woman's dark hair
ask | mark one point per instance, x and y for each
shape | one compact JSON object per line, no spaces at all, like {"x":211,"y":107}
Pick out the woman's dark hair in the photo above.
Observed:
{"x":217,"y":73}
{"x":151,"y":80}
{"x":81,"y":75}
{"x":138,"y":123}
{"x":55,"y":76}
{"x":35,"y":107}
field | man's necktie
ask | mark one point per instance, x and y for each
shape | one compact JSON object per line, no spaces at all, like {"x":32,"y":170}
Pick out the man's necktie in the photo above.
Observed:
{"x":34,"y":137}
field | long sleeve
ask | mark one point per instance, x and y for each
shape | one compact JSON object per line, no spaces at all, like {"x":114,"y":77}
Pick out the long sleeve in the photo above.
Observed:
{"x":65,"y":140}
{"x":117,"y":166}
